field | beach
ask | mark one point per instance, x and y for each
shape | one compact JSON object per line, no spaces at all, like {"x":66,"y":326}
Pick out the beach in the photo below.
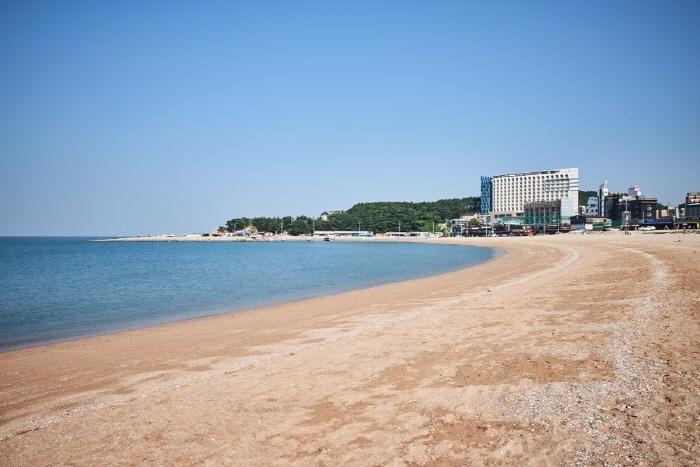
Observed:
{"x":566,"y":349}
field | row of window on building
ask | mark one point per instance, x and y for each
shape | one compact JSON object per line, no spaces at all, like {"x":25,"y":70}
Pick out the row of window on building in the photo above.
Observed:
{"x":509,"y":194}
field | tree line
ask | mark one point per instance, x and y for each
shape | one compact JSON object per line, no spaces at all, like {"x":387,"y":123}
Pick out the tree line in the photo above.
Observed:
{"x":378,"y":217}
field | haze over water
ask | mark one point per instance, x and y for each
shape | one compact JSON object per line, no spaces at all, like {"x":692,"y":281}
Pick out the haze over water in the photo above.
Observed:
{"x":55,"y":289}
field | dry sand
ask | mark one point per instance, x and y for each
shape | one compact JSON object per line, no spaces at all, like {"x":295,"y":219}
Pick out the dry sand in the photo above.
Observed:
{"x":568,"y":349}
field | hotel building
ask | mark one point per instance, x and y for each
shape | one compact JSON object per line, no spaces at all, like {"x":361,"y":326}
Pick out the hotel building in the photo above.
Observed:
{"x":506,"y":195}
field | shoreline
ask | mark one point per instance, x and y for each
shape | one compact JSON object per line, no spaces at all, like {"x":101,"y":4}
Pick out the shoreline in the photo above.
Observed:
{"x":314,"y":238}
{"x":272,"y":238}
{"x":567,"y":350}
{"x":227,"y":310}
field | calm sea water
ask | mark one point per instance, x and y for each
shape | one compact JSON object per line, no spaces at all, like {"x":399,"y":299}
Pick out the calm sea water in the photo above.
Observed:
{"x":54,"y":289}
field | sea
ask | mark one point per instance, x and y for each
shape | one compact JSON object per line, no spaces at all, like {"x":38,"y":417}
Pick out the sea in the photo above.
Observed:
{"x":56,"y":289}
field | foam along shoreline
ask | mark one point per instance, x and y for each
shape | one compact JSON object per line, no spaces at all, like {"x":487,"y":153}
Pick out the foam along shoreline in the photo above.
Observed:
{"x":535,"y":357}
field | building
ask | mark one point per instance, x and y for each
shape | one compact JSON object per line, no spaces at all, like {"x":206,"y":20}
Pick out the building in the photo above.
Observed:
{"x":615,"y":206}
{"x":692,"y":211}
{"x":461,"y":225}
{"x":542,"y":213}
{"x":343,"y":233}
{"x":592,"y":206}
{"x":410,"y":234}
{"x":485,"y":195}
{"x":634,"y":192}
{"x":640,"y":210}
{"x":673,"y":211}
{"x":691,"y":208}
{"x":586,"y":222}
{"x":506,"y":195}
{"x":602,"y":193}
{"x":325,"y":214}
{"x":644,"y":210}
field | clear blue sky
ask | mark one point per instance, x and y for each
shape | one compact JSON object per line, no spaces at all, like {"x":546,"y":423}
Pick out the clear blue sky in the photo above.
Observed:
{"x":153,"y":117}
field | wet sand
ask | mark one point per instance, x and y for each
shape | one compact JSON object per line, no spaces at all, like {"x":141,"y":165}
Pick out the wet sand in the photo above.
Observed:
{"x":567,"y":349}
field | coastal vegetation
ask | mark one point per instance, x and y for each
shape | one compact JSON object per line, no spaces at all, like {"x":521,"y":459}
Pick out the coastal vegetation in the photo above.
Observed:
{"x":376,"y":216}
{"x":584,"y":195}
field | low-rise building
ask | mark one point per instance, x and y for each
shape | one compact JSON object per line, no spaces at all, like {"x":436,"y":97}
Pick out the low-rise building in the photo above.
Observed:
{"x":343,"y":233}
{"x":543,"y":213}
{"x":410,"y":234}
{"x":592,"y":206}
{"x":326,"y":214}
{"x":461,"y":225}
{"x":621,"y":208}
{"x":691,"y":208}
{"x":586,"y":222}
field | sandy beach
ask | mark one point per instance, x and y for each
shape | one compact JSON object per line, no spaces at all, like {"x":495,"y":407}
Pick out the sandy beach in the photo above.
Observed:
{"x":570,"y":349}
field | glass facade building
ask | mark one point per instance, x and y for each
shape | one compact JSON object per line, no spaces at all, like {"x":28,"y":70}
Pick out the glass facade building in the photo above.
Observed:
{"x":485,"y":195}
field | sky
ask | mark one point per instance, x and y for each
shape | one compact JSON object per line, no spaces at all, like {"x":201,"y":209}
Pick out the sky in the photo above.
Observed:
{"x":144,"y":117}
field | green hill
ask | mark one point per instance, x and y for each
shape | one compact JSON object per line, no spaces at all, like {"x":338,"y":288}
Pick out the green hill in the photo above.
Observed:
{"x":378,"y":217}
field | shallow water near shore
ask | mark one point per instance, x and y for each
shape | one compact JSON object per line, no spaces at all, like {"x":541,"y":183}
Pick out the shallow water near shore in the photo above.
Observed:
{"x":54,"y":289}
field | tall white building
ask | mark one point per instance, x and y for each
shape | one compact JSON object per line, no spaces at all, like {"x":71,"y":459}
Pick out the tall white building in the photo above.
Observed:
{"x":510,"y":192}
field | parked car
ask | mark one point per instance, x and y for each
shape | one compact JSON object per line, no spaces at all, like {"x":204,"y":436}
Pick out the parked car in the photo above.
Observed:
{"x":647,"y":228}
